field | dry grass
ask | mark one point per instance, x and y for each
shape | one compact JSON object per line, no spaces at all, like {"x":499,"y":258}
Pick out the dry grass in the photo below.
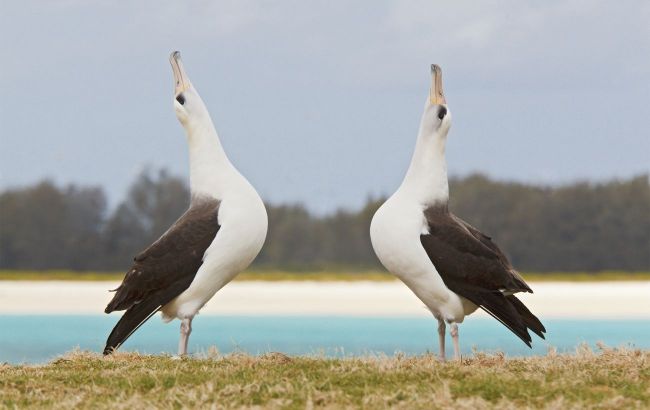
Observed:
{"x":320,"y":275}
{"x":610,"y":378}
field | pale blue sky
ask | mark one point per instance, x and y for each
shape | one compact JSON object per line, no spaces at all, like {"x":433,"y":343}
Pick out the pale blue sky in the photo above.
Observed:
{"x":319,"y":101}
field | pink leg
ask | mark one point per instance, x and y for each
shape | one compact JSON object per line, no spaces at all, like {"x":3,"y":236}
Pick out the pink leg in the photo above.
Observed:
{"x":454,"y":337}
{"x":441,"y":339}
{"x":186,"y":329}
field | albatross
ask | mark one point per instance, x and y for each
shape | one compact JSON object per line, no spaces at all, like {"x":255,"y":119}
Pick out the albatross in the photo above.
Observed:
{"x":216,"y":238}
{"x":452,"y":267}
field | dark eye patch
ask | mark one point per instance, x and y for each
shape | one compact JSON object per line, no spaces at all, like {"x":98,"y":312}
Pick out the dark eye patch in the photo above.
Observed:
{"x":180,"y":98}
{"x":442,"y":111}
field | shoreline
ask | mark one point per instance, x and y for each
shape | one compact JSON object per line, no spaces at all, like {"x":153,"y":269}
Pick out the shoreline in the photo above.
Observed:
{"x":564,"y":300}
{"x":334,"y":275}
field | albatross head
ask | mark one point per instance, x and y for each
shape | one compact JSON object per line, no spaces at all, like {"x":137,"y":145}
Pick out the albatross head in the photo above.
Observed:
{"x":426,"y":179}
{"x":189,"y":106}
{"x":436,"y":119}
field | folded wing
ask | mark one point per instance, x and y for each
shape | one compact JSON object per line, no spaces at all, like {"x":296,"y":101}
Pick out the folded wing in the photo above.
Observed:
{"x":472,"y":266}
{"x":164,"y":270}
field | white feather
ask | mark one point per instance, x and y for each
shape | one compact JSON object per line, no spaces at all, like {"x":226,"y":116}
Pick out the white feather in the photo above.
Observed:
{"x":396,"y":227}
{"x":242,"y":216}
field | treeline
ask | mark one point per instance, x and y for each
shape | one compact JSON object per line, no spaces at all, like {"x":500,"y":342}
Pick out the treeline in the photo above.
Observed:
{"x":579,"y":227}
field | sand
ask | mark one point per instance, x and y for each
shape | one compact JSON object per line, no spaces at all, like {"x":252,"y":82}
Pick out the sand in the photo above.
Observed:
{"x":580,"y":300}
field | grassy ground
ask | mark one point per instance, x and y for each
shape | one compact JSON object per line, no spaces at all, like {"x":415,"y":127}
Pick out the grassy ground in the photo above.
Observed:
{"x":610,"y":378}
{"x":322,"y":275}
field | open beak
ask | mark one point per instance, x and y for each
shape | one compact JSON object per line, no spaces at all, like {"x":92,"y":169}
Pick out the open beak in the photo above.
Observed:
{"x":181,"y":80}
{"x":437,"y":96}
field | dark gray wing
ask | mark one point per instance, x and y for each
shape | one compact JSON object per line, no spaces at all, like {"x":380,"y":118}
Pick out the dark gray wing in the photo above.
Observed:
{"x":472,"y":266}
{"x":164,"y":270}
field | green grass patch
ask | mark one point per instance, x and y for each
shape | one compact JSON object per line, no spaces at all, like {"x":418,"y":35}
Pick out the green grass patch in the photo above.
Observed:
{"x":609,"y":378}
{"x":249,"y":275}
{"x":603,"y":276}
{"x":320,"y":275}
{"x":60,"y":275}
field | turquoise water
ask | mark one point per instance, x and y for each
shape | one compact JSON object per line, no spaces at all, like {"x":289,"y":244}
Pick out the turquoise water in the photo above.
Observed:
{"x":37,"y":339}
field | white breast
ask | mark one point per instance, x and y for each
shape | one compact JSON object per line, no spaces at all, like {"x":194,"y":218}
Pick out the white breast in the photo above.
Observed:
{"x":244,"y":223}
{"x":395,"y":234}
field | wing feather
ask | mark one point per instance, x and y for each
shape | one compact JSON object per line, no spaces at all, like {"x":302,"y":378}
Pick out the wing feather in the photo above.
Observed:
{"x":164,"y":270}
{"x":474,"y":267}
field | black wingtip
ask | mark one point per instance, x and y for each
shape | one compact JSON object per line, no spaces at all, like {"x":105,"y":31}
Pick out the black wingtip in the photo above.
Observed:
{"x":132,"y":319}
{"x":538,"y":332}
{"x":137,"y":314}
{"x":529,"y":319}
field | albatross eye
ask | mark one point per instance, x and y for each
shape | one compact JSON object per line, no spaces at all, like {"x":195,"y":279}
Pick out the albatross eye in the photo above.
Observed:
{"x":180,"y":98}
{"x":442,"y":111}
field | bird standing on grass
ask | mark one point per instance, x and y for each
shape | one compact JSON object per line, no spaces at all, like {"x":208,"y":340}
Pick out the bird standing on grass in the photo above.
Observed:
{"x":216,"y":238}
{"x":451,"y":266}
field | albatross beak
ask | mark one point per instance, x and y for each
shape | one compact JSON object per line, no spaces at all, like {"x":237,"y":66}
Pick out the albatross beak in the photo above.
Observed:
{"x":437,"y":96}
{"x":181,"y":80}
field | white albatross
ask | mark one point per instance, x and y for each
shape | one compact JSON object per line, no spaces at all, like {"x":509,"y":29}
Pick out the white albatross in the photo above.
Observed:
{"x":216,"y":238}
{"x":451,"y":266}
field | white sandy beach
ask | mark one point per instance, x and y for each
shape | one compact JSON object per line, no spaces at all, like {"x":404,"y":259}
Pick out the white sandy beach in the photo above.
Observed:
{"x":612,"y":300}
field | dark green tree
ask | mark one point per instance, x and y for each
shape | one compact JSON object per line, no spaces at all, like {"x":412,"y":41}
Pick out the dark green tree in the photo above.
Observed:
{"x":152,"y":205}
{"x":44,"y":227}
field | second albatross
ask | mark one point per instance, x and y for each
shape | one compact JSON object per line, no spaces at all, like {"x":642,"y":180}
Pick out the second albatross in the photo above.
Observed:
{"x":451,"y":266}
{"x":216,"y":238}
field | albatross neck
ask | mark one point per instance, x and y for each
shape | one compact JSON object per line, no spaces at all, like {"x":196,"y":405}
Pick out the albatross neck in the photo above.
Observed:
{"x":210,"y":170}
{"x":426,"y":178}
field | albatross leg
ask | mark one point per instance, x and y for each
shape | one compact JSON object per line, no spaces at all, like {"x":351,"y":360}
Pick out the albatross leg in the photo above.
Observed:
{"x":441,"y":339}
{"x":186,"y":329}
{"x":454,"y":337}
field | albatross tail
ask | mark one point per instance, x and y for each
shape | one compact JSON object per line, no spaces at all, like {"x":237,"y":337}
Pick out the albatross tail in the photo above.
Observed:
{"x":512,"y":313}
{"x":132,"y":319}
{"x":136,"y":315}
{"x":530,"y":321}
